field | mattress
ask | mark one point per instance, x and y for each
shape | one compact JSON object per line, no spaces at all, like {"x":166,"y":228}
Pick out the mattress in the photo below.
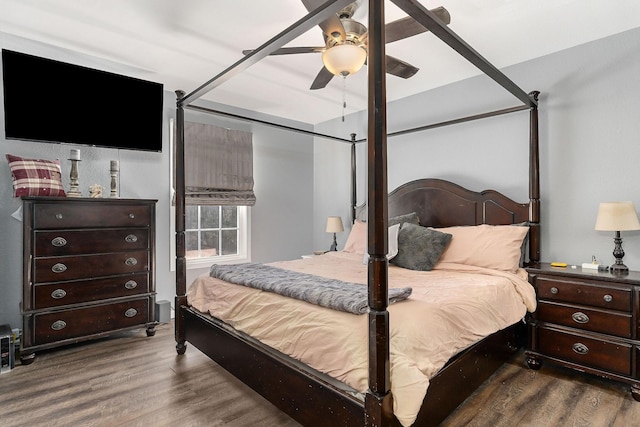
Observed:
{"x":450,"y":308}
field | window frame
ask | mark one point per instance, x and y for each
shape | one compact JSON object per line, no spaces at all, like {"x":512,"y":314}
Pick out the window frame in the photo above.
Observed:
{"x":243,"y":245}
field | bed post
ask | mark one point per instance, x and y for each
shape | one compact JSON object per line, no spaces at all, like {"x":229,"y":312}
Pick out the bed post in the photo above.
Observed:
{"x":534,"y":183}
{"x":354,"y":190}
{"x":181,"y":263}
{"x":378,"y":402}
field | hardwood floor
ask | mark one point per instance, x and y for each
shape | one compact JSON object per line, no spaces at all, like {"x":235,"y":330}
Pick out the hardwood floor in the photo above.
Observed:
{"x":130,"y":381}
{"x":133,"y":380}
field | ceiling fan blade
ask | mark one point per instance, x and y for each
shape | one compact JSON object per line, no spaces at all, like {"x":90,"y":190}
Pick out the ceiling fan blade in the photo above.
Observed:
{"x":290,"y":50}
{"x":322,"y":79}
{"x":332,"y":26}
{"x":400,"y":68}
{"x":407,"y":26}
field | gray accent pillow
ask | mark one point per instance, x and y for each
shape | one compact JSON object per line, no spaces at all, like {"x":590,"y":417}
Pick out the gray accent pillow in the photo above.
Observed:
{"x":411,"y":218}
{"x":419,"y":248}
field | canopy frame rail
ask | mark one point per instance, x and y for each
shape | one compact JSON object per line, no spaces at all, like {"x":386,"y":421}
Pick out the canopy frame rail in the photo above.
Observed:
{"x":352,"y":140}
{"x":304,"y":24}
{"x":432,"y":23}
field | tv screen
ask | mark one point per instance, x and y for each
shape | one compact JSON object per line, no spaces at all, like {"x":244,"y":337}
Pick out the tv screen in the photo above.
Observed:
{"x":47,"y":100}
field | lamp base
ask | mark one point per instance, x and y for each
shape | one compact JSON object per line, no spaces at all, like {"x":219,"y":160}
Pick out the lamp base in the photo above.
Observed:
{"x":619,"y":269}
{"x":334,"y":245}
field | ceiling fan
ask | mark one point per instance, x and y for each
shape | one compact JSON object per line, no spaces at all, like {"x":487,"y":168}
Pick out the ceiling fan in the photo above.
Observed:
{"x":345,"y":49}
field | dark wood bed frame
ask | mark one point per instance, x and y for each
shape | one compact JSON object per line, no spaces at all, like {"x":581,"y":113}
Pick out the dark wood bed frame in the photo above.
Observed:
{"x":304,"y":394}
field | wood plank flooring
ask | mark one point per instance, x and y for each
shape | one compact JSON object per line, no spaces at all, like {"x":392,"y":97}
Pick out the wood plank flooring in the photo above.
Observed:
{"x":133,"y":380}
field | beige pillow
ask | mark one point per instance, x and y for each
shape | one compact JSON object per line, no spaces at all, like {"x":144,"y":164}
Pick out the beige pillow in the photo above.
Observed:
{"x":357,"y":239}
{"x":490,"y":246}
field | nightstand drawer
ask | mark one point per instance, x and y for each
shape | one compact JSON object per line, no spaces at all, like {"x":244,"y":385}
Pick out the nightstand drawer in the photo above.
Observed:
{"x":618,"y":324}
{"x":601,"y":354}
{"x":584,"y":292}
{"x":71,"y":242}
{"x":65,"y":293}
{"x":57,"y":269}
{"x":57,"y":326}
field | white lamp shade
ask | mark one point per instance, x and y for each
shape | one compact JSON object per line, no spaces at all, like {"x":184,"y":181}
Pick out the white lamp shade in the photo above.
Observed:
{"x":334,"y":224}
{"x":617,"y":216}
{"x":344,"y":59}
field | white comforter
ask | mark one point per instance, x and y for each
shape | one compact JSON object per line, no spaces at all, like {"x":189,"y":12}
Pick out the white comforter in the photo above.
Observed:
{"x":451,"y":308}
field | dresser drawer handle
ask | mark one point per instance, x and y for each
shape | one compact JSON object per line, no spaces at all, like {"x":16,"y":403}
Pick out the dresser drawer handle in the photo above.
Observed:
{"x":59,"y":268}
{"x":131,"y":284}
{"x":580,"y":317}
{"x":132,"y":216}
{"x":580,"y":348}
{"x":58,"y":325}
{"x":58,"y":216}
{"x":59,"y":242}
{"x":608,"y":298}
{"x":131,"y":261}
{"x":58,"y":294}
{"x":554,"y":290}
{"x":131,"y":312}
{"x":131,"y":238}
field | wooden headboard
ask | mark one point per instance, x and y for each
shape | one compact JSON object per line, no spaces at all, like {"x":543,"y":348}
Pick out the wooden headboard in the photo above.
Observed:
{"x":441,"y":203}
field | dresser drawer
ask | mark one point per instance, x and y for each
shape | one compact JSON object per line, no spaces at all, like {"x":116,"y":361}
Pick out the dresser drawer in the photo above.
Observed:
{"x":57,"y":326}
{"x":606,"y":355}
{"x":57,"y":269}
{"x":65,"y":293}
{"x":584,"y":292}
{"x":619,"y":324}
{"x":72,"y":242}
{"x":90,"y":215}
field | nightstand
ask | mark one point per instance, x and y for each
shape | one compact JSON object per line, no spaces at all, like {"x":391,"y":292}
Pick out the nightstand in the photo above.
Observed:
{"x":588,"y":321}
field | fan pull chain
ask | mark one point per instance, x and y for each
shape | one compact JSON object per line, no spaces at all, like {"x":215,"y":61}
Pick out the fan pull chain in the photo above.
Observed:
{"x":344,"y":95}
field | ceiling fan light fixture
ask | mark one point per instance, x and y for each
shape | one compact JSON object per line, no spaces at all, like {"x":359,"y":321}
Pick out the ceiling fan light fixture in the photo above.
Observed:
{"x":344,"y":59}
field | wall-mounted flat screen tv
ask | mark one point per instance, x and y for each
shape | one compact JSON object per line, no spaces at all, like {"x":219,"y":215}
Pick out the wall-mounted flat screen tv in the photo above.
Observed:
{"x":52,"y":101}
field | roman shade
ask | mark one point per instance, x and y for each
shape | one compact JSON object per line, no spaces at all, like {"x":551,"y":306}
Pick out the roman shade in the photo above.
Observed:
{"x":218,"y":166}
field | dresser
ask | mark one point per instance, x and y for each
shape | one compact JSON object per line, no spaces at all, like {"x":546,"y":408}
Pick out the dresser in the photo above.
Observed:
{"x":586,"y":320}
{"x":88,"y":270}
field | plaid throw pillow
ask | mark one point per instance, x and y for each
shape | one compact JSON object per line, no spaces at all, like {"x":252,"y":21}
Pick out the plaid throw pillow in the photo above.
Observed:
{"x":33,"y":177}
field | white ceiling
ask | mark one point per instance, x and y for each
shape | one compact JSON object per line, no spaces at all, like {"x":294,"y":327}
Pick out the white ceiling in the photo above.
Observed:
{"x":183,"y":44}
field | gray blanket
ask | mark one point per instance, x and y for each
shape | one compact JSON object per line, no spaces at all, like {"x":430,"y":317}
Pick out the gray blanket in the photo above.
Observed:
{"x":330,"y":293}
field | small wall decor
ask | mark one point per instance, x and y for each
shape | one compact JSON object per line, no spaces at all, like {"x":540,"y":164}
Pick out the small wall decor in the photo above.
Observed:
{"x":74,"y":187}
{"x":113,"y":170}
{"x":95,"y":191}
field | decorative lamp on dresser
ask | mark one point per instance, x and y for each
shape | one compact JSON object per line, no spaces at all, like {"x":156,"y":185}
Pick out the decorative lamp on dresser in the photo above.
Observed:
{"x":88,"y":270}
{"x":587,"y":320}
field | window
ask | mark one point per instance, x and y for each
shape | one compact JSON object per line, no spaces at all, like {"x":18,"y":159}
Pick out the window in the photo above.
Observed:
{"x":215,"y":234}
{"x":217,"y":214}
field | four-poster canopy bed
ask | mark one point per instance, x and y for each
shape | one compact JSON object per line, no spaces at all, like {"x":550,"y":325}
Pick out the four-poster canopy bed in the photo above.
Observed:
{"x":303,"y":392}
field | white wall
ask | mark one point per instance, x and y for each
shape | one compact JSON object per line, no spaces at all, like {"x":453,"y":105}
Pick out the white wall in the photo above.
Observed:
{"x":589,"y":145}
{"x":283,"y":171}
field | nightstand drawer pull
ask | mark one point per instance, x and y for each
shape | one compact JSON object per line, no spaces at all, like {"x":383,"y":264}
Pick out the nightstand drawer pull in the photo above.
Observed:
{"x":554,"y":290}
{"x":131,"y":312}
{"x":131,"y":261}
{"x":580,"y":348}
{"x":132,"y":216}
{"x":59,"y":268}
{"x":58,"y":216}
{"x":608,"y":298}
{"x":59,"y":242}
{"x":58,"y":325}
{"x":58,"y":294}
{"x":580,"y":317}
{"x":131,"y":238}
{"x":131,"y":284}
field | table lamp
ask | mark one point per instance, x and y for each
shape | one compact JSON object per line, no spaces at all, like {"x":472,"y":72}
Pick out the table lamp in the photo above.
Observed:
{"x":617,"y":216}
{"x":334,"y":225}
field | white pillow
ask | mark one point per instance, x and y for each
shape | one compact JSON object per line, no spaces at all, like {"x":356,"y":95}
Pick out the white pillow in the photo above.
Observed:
{"x":392,"y":245}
